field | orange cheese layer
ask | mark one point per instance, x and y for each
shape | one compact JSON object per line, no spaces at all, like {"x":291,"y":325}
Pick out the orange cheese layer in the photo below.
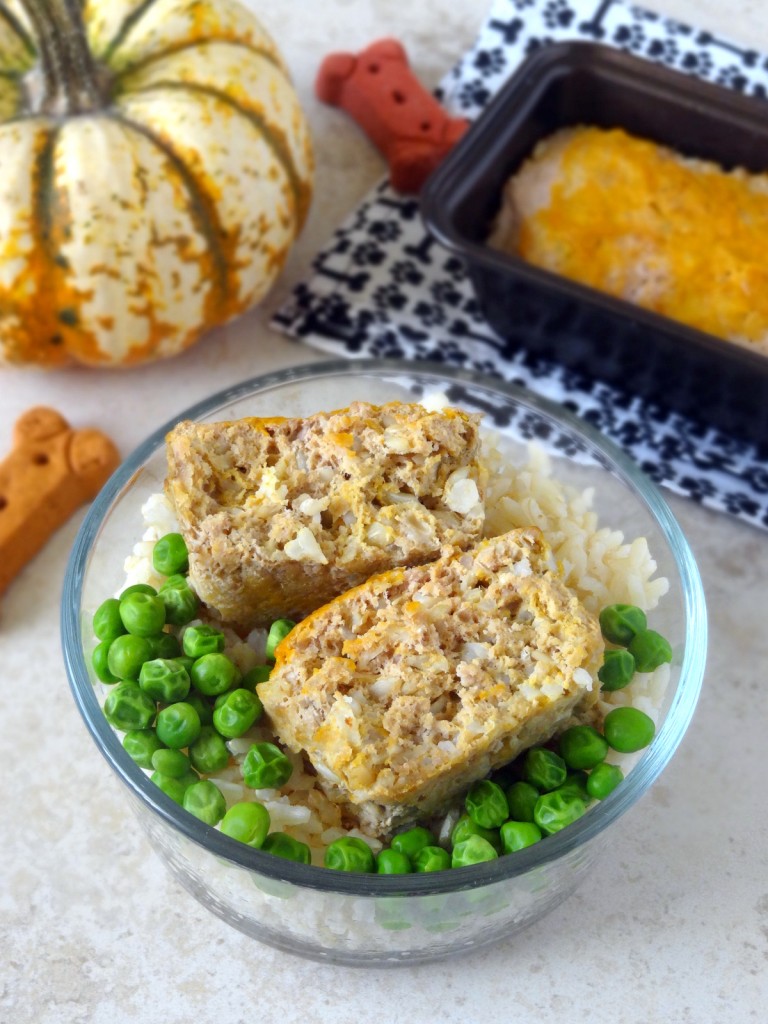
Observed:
{"x":681,"y":237}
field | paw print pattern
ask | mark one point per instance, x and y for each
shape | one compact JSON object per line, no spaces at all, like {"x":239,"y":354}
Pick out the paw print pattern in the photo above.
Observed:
{"x":474,"y":95}
{"x":698,"y":62}
{"x":532,"y":45}
{"x":405,"y":272}
{"x":366,"y":254}
{"x":446,"y":293}
{"x":389,"y":296}
{"x":741,"y":504}
{"x":490,"y":62}
{"x":384,"y":231}
{"x":431,"y":314}
{"x":557,"y":14}
{"x":733,"y":76}
{"x":664,"y":50}
{"x":630,"y":37}
{"x":697,"y":488}
{"x":455,"y":269}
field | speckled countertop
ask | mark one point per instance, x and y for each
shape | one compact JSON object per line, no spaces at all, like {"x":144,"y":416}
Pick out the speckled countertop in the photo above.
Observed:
{"x":672,"y":927}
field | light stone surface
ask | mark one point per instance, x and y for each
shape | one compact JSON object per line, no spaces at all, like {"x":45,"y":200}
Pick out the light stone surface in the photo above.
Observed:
{"x":673,"y":927}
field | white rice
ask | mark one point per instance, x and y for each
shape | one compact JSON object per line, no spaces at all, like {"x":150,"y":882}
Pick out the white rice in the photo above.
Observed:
{"x":598,"y":563}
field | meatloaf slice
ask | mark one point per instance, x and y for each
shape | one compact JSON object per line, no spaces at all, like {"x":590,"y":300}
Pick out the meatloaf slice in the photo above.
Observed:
{"x":281,"y":515}
{"x":420,"y":681}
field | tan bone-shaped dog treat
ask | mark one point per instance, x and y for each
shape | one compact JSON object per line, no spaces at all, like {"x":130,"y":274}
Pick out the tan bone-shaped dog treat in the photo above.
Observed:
{"x":50,"y":472}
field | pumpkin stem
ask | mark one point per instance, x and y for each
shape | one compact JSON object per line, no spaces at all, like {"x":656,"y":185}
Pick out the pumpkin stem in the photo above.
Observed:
{"x":70,"y":75}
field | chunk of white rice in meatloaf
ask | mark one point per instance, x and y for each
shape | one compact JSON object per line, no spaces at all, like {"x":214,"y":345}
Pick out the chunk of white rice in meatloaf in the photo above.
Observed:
{"x":281,"y":515}
{"x":409,"y":688}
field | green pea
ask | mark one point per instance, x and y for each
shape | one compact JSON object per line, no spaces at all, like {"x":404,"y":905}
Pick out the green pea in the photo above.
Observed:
{"x":617,"y":670}
{"x":107,"y":623}
{"x":516,"y":835}
{"x":127,"y":707}
{"x":137,"y":588}
{"x":281,"y":845}
{"x":170,"y":555}
{"x":575,"y":782}
{"x":603,"y":780}
{"x":582,"y":747}
{"x":392,"y":862}
{"x":165,"y":645}
{"x":238,"y":712}
{"x":142,"y":614}
{"x":522,"y":797}
{"x":350,"y":854}
{"x":412,"y":840}
{"x":201,"y":706}
{"x":544,"y":769}
{"x":214,"y":673}
{"x":432,"y":858}
{"x":200,"y":640}
{"x":628,"y":729}
{"x":206,"y":801}
{"x":248,"y":822}
{"x":178,"y":725}
{"x":140,"y":745}
{"x":474,"y":850}
{"x":100,"y":662}
{"x":619,"y":623}
{"x":164,"y":679}
{"x":219,"y":700}
{"x":171,"y":762}
{"x":278,"y":631}
{"x":466,"y":827}
{"x":127,"y":654}
{"x":265,"y":766}
{"x":180,"y":600}
{"x":209,"y":752}
{"x":556,"y":810}
{"x":650,"y":649}
{"x":486,"y":804}
{"x":174,"y":788}
{"x":506,"y":775}
{"x":254,"y":676}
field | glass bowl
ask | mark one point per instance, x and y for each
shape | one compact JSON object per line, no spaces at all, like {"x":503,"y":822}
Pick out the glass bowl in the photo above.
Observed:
{"x":371,"y":919}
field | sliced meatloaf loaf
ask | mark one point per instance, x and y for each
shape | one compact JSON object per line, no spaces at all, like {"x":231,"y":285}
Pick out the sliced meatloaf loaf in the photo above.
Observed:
{"x":420,"y":681}
{"x":281,"y":515}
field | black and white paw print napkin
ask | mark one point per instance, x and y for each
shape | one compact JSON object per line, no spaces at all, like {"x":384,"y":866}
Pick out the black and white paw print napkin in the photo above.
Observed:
{"x":382,"y":289}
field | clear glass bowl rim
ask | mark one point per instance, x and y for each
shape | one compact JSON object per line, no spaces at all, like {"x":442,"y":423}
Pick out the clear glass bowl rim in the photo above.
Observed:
{"x":576,"y":835}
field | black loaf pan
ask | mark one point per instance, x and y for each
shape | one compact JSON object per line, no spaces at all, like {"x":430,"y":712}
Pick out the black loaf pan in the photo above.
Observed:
{"x":715,"y":382}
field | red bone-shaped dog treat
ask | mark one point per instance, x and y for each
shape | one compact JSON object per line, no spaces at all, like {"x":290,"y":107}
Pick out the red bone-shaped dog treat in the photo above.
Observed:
{"x":379,"y":91}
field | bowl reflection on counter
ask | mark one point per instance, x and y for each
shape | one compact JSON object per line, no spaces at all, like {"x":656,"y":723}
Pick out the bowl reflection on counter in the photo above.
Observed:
{"x":372,"y":919}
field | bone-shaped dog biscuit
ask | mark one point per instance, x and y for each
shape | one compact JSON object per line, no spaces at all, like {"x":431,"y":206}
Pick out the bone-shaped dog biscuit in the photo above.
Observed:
{"x":377,"y":88}
{"x":50,"y":472}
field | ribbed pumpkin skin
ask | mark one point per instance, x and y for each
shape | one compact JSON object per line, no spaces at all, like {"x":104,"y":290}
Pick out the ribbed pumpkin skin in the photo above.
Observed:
{"x":128,"y":231}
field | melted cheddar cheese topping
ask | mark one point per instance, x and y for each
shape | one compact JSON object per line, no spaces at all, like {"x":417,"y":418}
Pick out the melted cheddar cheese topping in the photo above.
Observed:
{"x":681,"y":237}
